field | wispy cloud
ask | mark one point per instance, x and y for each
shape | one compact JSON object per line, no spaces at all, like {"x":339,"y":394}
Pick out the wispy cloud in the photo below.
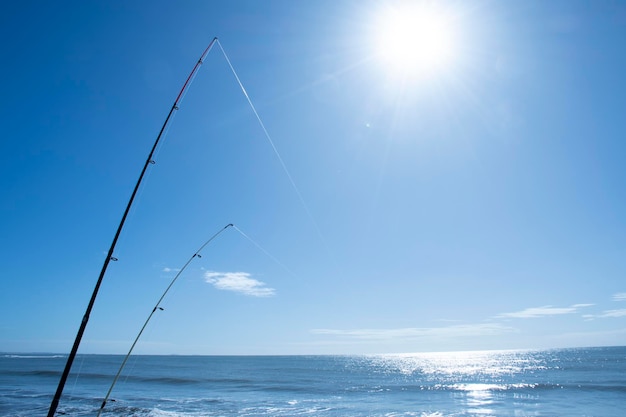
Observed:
{"x":606,"y":314}
{"x":168,"y":269}
{"x":614,"y":313}
{"x":536,"y":312}
{"x":620,"y":296}
{"x":463,"y":330}
{"x":238,"y":282}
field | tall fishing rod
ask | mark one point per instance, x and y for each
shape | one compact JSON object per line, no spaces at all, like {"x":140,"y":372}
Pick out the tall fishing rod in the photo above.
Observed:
{"x":109,"y":257}
{"x":157,"y":306}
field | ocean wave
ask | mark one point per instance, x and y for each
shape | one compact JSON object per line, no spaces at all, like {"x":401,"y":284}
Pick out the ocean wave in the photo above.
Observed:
{"x":319,"y":386}
{"x":41,"y":372}
{"x":32,"y":356}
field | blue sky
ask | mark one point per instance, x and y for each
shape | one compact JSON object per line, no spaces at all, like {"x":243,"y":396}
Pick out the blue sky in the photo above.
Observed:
{"x":479,"y":205}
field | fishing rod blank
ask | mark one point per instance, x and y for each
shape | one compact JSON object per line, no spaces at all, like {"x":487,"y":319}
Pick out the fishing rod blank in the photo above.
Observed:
{"x":109,"y":257}
{"x":156,"y":307}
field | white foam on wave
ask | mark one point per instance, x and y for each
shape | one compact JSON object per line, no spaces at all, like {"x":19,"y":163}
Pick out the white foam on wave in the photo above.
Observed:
{"x":489,"y":387}
{"x":34,"y":356}
{"x":162,"y":413}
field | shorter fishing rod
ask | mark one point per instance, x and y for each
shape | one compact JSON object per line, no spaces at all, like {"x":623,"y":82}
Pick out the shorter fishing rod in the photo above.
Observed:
{"x":156,"y":307}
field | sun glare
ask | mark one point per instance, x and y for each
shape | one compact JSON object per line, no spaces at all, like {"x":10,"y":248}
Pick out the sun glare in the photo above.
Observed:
{"x":414,"y":40}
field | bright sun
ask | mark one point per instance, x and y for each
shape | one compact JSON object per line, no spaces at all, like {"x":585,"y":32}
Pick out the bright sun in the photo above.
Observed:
{"x":415,"y":40}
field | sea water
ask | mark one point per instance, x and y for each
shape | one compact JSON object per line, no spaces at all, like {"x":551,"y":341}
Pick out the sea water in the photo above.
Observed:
{"x":563,"y":382}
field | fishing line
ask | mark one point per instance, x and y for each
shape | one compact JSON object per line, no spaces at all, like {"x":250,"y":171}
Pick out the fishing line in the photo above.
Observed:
{"x":78,"y":374}
{"x":156,"y":307}
{"x":265,"y":251}
{"x":271,"y":142}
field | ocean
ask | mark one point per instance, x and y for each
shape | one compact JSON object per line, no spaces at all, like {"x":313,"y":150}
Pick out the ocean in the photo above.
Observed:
{"x":561,"y":382}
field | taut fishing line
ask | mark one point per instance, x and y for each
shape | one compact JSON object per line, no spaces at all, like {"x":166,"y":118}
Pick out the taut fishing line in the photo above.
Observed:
{"x":271,"y":142}
{"x":156,"y":307}
{"x":264,"y":251}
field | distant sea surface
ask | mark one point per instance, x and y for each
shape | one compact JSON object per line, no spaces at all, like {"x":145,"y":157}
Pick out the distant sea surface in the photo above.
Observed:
{"x":564,"y":382}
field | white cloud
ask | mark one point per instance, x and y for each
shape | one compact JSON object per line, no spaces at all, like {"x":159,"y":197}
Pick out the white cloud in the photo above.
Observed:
{"x":620,"y":296}
{"x":608,"y":313}
{"x":238,"y":282}
{"x":535,"y":312}
{"x":462,"y":330}
{"x":167,"y":269}
{"x":614,"y":313}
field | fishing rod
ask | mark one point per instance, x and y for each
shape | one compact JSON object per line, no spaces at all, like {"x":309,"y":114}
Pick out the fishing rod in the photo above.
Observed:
{"x":109,"y":257}
{"x":156,"y":307}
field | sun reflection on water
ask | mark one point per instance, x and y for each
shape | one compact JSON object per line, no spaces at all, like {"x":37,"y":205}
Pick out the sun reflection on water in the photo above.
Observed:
{"x":462,"y":364}
{"x":479,"y":380}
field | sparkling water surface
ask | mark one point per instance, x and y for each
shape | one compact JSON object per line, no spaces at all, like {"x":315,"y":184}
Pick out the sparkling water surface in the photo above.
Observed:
{"x":563,"y":382}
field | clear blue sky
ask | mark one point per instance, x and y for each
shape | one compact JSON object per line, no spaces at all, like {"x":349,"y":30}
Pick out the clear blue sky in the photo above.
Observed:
{"x":478,"y":206}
